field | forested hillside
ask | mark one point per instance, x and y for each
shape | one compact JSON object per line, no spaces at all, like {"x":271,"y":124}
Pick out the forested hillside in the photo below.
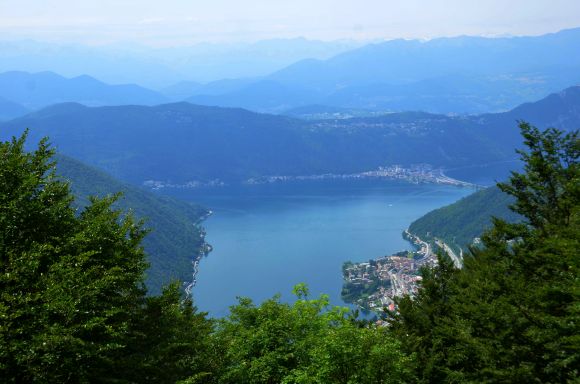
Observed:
{"x":73,"y":308}
{"x":175,"y":236}
{"x":510,"y":314}
{"x":181,"y":143}
{"x":460,"y":223}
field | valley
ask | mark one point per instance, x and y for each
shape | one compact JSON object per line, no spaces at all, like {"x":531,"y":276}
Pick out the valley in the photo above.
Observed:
{"x":308,"y":192}
{"x":267,"y":238}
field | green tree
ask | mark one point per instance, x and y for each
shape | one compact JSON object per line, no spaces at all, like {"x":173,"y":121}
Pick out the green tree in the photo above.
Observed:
{"x":72,"y":299}
{"x":511,"y":314}
{"x":172,"y":342}
{"x":305,"y":342}
{"x":547,"y":193}
{"x":418,"y":321}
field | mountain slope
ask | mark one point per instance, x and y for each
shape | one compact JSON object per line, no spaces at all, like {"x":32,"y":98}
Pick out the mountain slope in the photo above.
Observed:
{"x":404,"y":61}
{"x":175,"y":238}
{"x":460,"y":223}
{"x":10,"y":110}
{"x":37,"y":90}
{"x":180,"y":143}
{"x":446,"y":75}
{"x":159,"y":67}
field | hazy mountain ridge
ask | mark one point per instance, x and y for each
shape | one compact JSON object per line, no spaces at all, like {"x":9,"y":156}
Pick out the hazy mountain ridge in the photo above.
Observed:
{"x":10,"y":110}
{"x":445,"y":75}
{"x":160,"y":67}
{"x":182,"y":142}
{"x":37,"y":90}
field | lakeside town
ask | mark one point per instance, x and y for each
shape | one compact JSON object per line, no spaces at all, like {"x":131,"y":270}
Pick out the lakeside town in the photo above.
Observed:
{"x":374,"y":285}
{"x":415,"y":174}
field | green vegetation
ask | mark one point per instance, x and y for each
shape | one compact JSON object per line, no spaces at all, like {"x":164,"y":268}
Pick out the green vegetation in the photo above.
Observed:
{"x":73,"y":307}
{"x":308,"y":342}
{"x":180,"y":143}
{"x":460,"y":223}
{"x":175,"y":237}
{"x":72,"y":300}
{"x":511,"y":314}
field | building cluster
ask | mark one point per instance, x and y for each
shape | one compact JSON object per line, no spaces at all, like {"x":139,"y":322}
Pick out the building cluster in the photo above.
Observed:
{"x":378,"y":282}
{"x":417,"y":174}
{"x":158,"y":184}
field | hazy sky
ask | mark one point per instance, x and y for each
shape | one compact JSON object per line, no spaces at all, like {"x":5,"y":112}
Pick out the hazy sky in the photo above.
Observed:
{"x":183,"y":22}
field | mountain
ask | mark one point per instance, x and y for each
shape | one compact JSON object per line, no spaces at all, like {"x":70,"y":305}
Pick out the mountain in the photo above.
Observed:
{"x":37,"y":90}
{"x":460,"y":223}
{"x":321,"y":112}
{"x":158,"y":67}
{"x":175,"y":238}
{"x":260,"y":96}
{"x":10,"y":110}
{"x":561,"y":109}
{"x":446,"y":75}
{"x":182,"y":143}
{"x":180,"y":90}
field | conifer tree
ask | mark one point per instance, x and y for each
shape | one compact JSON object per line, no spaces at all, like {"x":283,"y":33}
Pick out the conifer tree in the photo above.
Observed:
{"x":511,"y":314}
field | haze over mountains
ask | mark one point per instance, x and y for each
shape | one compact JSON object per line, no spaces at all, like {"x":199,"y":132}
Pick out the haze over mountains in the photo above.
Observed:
{"x":181,"y":143}
{"x":34,"y":91}
{"x":10,"y":109}
{"x":460,"y":75}
{"x":445,"y":75}
{"x":159,"y":67}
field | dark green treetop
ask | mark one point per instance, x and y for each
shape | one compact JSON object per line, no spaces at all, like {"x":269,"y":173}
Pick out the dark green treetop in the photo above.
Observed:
{"x":511,"y":314}
{"x":72,"y":299}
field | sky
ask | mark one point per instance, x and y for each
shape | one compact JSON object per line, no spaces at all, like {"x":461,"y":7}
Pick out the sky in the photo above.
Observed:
{"x":186,"y":22}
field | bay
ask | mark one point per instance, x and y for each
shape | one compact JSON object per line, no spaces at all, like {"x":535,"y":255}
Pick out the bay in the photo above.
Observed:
{"x":268,"y":238}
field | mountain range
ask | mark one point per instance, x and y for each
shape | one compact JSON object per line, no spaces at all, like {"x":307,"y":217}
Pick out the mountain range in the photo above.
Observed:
{"x":38,"y":90}
{"x":10,"y":110}
{"x":445,"y":75}
{"x":181,"y":143}
{"x":158,"y":67}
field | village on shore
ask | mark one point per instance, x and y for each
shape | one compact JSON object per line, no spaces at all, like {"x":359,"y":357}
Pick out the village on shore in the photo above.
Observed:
{"x":374,"y":285}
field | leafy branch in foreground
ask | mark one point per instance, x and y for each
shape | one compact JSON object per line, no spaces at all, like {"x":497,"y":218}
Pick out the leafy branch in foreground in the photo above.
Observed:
{"x":511,"y":314}
{"x":72,"y":299}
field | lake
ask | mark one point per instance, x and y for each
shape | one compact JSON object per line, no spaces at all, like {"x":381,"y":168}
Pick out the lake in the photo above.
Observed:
{"x":268,"y":238}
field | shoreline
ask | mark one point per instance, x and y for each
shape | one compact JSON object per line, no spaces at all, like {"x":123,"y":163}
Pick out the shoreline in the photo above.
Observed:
{"x":203,"y":251}
{"x":393,"y":275}
{"x":417,"y":174}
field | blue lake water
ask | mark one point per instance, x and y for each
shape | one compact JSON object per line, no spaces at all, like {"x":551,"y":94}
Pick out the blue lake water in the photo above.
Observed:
{"x":266,"y":239}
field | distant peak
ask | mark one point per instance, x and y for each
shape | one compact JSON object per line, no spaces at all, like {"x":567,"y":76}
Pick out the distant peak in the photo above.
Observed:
{"x":60,"y":108}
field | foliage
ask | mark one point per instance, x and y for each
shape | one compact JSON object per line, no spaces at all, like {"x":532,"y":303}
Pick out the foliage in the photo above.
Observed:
{"x":72,"y":299}
{"x":307,"y":342}
{"x":511,"y":314}
{"x":547,"y":194}
{"x":73,"y":307}
{"x":175,"y":237}
{"x":181,"y":142}
{"x":459,"y":223}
